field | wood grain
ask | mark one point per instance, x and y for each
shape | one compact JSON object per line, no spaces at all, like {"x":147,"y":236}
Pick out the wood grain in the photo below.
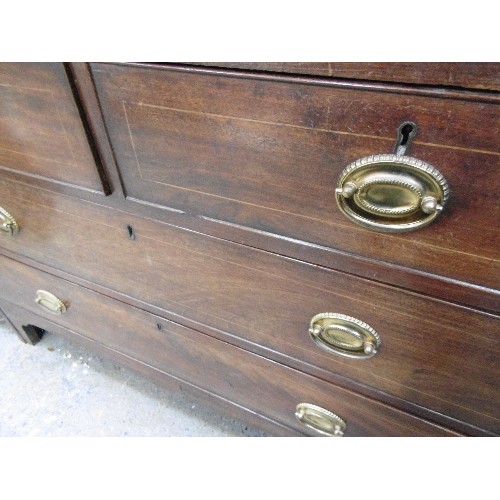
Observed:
{"x":434,"y":354}
{"x":228,"y":372}
{"x":267,"y":155}
{"x":20,"y":318}
{"x":41,"y":133}
{"x":251,"y":157}
{"x":474,"y":75}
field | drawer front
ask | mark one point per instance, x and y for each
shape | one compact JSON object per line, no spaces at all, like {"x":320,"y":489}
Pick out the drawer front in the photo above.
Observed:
{"x":268,"y":155}
{"x":246,"y":379}
{"x":434,"y":354}
{"x":41,"y":131}
{"x":471,"y":75}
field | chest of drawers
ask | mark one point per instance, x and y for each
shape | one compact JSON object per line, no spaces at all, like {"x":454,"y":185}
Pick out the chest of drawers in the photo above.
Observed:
{"x":304,"y":247}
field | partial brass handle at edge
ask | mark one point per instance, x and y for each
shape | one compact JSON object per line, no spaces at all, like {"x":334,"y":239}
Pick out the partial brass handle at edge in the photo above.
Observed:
{"x":324,"y":422}
{"x":7,"y":223}
{"x":50,"y":302}
{"x":344,"y":335}
{"x":391,"y":193}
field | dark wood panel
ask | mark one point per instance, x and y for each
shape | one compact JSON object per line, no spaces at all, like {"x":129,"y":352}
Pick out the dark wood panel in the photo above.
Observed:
{"x":438,"y":286}
{"x":474,"y":75}
{"x":452,"y":290}
{"x":229,"y":372}
{"x":443,"y":122}
{"x":267,"y":155}
{"x":41,"y":133}
{"x":19,"y":317}
{"x":86,"y":95}
{"x":434,"y":354}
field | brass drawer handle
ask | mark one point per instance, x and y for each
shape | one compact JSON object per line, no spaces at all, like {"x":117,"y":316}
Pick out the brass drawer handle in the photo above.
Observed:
{"x":392,"y":192}
{"x":324,"y":422}
{"x":50,"y":302}
{"x":8,"y":224}
{"x":344,"y":335}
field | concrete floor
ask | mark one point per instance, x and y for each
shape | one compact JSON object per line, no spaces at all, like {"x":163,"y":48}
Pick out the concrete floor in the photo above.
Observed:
{"x":58,"y":388}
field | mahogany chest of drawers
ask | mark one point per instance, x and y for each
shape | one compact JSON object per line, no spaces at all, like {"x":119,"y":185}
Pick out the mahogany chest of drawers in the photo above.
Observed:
{"x":312,"y":248}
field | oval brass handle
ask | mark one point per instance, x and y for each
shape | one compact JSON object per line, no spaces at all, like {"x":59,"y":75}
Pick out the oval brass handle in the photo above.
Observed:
{"x":8,"y":224}
{"x":391,"y":193}
{"x":50,"y":302}
{"x":344,"y":335}
{"x":322,"y":421}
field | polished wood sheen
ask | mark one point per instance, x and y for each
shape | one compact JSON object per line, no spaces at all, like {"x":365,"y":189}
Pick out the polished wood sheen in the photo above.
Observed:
{"x":24,"y":321}
{"x":219,"y":236}
{"x":267,"y":155}
{"x":41,"y":132}
{"x":483,"y":76}
{"x":225,"y":370}
{"x":433,"y":353}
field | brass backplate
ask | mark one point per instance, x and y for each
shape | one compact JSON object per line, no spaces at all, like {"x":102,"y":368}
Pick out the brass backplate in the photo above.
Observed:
{"x":391,"y":193}
{"x":322,"y":421}
{"x":344,"y":335}
{"x":50,"y":302}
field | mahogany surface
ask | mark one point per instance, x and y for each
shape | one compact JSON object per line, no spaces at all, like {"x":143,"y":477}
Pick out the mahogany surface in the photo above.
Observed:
{"x":41,"y":132}
{"x":22,"y":319}
{"x":435,"y":354}
{"x":267,"y":155}
{"x":477,"y":75}
{"x":195,"y":223}
{"x":229,"y":372}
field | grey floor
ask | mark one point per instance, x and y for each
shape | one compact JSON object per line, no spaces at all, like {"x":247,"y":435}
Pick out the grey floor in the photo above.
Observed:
{"x":58,"y":388}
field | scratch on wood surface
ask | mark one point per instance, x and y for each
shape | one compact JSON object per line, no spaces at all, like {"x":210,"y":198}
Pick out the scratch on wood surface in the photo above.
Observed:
{"x":303,"y":127}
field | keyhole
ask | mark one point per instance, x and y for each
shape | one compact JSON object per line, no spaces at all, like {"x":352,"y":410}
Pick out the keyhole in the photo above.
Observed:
{"x":131,"y":233}
{"x":406,"y":132}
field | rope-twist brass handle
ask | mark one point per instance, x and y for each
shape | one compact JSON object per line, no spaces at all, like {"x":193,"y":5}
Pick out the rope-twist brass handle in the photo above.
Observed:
{"x":8,"y":224}
{"x":50,"y":302}
{"x":344,"y":335}
{"x":322,"y":421}
{"x":392,"y":192}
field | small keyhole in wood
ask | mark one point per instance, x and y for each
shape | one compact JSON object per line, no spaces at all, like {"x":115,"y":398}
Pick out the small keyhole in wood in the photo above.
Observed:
{"x":131,"y":233}
{"x":405,"y":133}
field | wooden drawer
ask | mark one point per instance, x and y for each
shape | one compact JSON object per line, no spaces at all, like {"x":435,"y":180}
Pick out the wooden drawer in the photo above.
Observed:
{"x":267,"y":153}
{"x":24,"y":321}
{"x":468,"y":75}
{"x":42,"y":135}
{"x":436,"y":355}
{"x":232,"y":373}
